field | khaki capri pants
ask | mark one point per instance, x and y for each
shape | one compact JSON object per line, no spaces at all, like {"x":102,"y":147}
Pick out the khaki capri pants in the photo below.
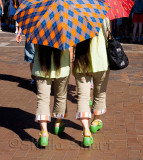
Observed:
{"x":100,"y":80}
{"x":43,"y":98}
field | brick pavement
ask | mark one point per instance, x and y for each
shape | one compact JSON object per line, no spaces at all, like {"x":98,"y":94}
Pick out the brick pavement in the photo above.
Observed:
{"x":120,"y":139}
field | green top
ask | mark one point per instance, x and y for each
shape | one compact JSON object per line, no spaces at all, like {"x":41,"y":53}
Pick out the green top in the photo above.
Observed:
{"x":98,"y":53}
{"x":65,"y":66}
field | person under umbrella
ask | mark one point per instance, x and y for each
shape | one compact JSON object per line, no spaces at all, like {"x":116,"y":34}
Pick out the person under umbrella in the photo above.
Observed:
{"x":91,"y":62}
{"x":51,"y":64}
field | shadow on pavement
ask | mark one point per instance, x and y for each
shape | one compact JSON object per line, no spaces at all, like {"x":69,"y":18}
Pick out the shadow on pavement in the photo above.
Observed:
{"x":22,"y":82}
{"x":25,"y":83}
{"x":18,"y":120}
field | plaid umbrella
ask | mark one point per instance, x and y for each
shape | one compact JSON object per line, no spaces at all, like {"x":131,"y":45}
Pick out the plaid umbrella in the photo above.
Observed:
{"x":119,"y":8}
{"x":60,"y":23}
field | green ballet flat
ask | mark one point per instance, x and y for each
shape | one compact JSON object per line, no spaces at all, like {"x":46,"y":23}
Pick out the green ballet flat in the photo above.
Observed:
{"x":43,"y":140}
{"x":98,"y":125}
{"x":60,"y":129}
{"x":87,"y":141}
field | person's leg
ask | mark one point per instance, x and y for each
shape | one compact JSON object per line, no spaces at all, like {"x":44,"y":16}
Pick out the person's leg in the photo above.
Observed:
{"x":140,"y":31}
{"x":119,"y":28}
{"x":29,"y":57}
{"x":43,"y":125}
{"x":43,"y":108}
{"x":16,"y":26}
{"x":60,"y":102}
{"x":135,"y":30}
{"x":31,"y":66}
{"x":32,"y":76}
{"x":135,"y":21}
{"x":100,"y":80}
{"x":83,"y":108}
{"x":91,"y":86}
{"x":85,"y":124}
{"x":0,"y":24}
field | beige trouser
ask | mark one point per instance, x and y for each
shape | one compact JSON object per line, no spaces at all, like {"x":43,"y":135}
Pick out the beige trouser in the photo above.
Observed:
{"x":43,"y":98}
{"x":100,"y":80}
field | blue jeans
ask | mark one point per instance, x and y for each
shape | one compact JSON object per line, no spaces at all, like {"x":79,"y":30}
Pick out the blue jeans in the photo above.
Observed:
{"x":29,"y":52}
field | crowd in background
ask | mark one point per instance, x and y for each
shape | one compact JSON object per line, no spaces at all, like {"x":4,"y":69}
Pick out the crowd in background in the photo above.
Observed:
{"x":9,"y":9}
{"x":130,"y":28}
{"x":124,"y":29}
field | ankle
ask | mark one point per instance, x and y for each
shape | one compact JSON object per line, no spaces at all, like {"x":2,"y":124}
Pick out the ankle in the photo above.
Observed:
{"x":44,"y":133}
{"x":95,"y":122}
{"x":58,"y":122}
{"x":87,"y":133}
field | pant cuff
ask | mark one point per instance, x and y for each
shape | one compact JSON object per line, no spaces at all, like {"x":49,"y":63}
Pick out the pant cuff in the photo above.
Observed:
{"x":42,"y":118}
{"x":59,"y":115}
{"x":98,"y":112}
{"x":83,"y":115}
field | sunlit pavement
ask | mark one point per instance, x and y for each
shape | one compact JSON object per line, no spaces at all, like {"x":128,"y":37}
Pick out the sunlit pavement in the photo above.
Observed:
{"x":121,"y":137}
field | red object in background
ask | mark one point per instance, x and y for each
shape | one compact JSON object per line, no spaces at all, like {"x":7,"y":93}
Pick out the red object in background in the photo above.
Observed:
{"x":119,"y":8}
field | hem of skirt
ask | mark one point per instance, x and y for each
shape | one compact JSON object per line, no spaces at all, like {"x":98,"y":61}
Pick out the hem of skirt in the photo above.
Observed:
{"x":60,"y":115}
{"x":42,"y":118}
{"x":98,"y":112}
{"x":80,"y":115}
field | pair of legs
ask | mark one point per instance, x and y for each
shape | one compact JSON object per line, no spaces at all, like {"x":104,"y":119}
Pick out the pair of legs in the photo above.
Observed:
{"x":100,"y":80}
{"x":138,"y":23}
{"x":43,"y":100}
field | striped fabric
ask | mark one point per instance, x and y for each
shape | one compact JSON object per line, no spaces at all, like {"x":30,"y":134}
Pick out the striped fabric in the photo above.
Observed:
{"x":57,"y":115}
{"x":83,"y":115}
{"x":60,"y":23}
{"x":42,"y":117}
{"x":119,"y":8}
{"x":98,"y":112}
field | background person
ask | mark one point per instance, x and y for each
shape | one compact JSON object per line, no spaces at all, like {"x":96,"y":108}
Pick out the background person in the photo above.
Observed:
{"x":138,"y":20}
{"x":11,"y":12}
{"x":16,"y":4}
{"x":1,"y":12}
{"x":29,"y":53}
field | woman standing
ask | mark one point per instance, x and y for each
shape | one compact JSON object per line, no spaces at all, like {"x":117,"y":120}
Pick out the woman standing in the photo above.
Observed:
{"x":51,"y":64}
{"x":91,"y":61}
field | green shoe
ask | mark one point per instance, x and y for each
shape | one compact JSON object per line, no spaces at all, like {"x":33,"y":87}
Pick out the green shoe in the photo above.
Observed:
{"x":90,"y":102}
{"x":43,"y":140}
{"x":87,"y":141}
{"x":98,"y":126}
{"x":60,"y":129}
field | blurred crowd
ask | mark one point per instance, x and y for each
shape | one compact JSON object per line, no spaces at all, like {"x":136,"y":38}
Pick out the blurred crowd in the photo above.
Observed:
{"x":8,"y":9}
{"x":127,"y":29}
{"x":130,"y":28}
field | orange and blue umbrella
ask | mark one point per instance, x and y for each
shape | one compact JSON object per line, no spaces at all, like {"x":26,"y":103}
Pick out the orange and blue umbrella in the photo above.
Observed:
{"x":119,"y":8}
{"x":60,"y":23}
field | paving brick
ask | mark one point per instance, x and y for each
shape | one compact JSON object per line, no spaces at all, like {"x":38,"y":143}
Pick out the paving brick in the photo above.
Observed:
{"x":134,"y":155}
{"x":140,"y":139}
{"x":122,"y":154}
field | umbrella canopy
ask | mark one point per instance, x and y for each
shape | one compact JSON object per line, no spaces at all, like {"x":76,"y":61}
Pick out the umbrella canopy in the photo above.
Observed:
{"x":60,"y":23}
{"x":119,"y":8}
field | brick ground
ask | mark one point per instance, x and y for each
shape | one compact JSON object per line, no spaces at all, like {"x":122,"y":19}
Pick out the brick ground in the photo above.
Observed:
{"x":120,"y":139}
